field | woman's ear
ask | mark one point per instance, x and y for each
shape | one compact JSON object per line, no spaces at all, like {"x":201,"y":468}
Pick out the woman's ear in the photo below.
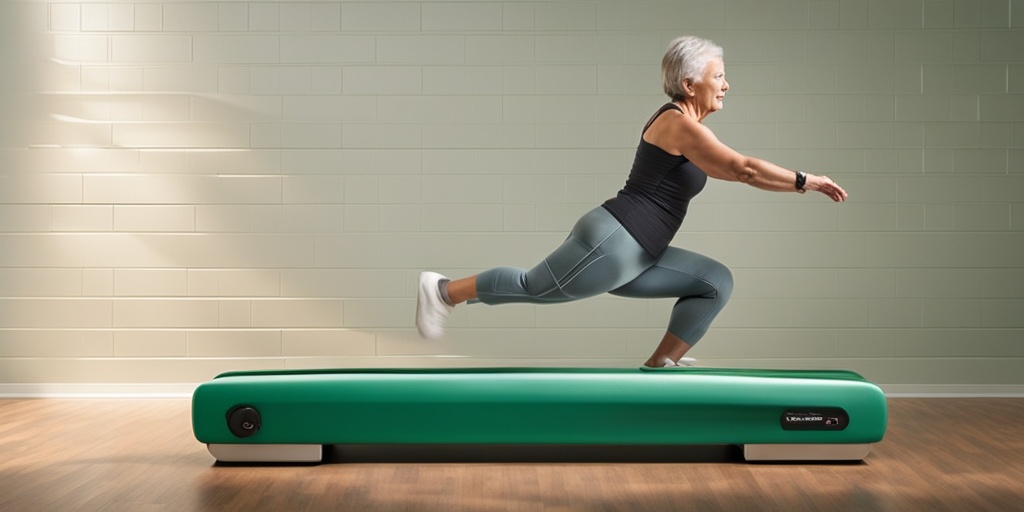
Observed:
{"x":688,"y":87}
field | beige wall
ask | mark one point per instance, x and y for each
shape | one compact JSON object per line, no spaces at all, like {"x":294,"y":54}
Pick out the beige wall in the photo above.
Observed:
{"x":193,"y":187}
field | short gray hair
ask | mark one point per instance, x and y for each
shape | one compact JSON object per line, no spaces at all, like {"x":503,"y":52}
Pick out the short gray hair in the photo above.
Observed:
{"x":686,"y":57}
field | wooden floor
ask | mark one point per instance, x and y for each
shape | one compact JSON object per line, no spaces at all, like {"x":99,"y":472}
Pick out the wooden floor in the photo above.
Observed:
{"x":139,"y":455}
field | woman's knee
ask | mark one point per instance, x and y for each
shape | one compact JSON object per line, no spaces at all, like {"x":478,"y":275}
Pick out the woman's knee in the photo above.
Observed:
{"x":712,"y":272}
{"x":722,"y":281}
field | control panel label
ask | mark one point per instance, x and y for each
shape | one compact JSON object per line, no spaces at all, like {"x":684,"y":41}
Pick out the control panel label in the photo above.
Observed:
{"x":815,"y":418}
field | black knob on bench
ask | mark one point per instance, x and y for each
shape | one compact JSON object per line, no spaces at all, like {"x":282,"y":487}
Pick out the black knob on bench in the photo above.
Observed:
{"x":243,"y":421}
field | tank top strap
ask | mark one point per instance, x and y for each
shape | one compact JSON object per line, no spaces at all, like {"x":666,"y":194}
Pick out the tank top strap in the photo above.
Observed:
{"x":665,"y":107}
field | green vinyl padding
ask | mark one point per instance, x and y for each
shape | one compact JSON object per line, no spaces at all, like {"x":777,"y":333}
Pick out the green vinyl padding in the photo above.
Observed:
{"x":537,"y":406}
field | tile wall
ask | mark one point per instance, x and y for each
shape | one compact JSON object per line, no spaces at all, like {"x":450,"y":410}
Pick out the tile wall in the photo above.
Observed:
{"x":201,"y":186}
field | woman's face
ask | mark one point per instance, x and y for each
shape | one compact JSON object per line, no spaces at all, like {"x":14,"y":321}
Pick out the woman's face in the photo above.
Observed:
{"x":710,"y":91}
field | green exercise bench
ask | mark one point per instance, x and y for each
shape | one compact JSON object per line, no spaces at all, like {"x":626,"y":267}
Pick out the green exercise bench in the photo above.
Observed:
{"x":775,"y":415}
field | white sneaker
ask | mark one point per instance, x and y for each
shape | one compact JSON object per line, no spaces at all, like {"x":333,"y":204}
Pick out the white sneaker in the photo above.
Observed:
{"x":431,"y":309}
{"x":685,"y":361}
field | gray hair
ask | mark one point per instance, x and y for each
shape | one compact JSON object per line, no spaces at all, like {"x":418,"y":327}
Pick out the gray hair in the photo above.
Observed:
{"x":686,"y":57}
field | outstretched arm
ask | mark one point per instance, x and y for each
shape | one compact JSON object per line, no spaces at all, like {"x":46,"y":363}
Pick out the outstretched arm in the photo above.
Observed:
{"x":683,"y":135}
{"x":768,"y":176}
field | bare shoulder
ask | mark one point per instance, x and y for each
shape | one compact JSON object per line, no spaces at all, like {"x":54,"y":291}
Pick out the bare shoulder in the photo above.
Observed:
{"x":674,"y":131}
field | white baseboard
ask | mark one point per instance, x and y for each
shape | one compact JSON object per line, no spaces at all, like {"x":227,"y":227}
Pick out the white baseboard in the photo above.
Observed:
{"x":952,"y":390}
{"x":185,"y":390}
{"x":97,"y":390}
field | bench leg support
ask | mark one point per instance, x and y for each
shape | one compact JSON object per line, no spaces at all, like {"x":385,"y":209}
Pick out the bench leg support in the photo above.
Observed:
{"x":784,"y":452}
{"x":266,"y":452}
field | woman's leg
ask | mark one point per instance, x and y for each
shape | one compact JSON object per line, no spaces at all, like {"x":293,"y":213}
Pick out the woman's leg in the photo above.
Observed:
{"x":703,"y":287}
{"x":599,"y":255}
{"x":461,"y":290}
{"x":669,"y":351}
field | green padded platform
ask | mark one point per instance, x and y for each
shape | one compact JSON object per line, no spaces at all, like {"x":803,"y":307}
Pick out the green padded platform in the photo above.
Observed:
{"x":785,"y":413}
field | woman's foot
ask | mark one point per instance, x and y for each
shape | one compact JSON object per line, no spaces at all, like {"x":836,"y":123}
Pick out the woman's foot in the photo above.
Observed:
{"x":431,"y":309}
{"x":668,"y":363}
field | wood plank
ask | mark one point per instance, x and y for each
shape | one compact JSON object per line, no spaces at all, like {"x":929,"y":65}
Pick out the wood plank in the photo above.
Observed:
{"x":122,"y":454}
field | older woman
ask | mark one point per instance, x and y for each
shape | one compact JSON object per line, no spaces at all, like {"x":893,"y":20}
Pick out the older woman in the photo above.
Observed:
{"x":622,"y":246}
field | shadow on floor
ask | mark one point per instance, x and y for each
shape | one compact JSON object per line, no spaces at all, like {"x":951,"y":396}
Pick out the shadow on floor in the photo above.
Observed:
{"x":347,"y":454}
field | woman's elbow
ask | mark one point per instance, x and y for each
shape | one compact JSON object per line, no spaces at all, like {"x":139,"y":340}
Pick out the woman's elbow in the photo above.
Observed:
{"x":744,"y":172}
{"x":739,"y":169}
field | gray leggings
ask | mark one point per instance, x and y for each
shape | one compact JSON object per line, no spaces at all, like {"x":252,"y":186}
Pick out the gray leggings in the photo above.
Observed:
{"x":600,"y":256}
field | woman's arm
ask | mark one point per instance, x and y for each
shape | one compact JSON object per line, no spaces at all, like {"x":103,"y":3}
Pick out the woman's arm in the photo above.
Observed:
{"x":768,"y":176}
{"x":679,"y":134}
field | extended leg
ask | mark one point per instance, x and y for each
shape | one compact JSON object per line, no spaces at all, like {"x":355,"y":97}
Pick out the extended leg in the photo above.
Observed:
{"x":599,"y":255}
{"x":461,"y":290}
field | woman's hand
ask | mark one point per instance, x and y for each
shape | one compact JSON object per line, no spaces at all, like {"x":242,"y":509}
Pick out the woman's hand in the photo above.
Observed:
{"x":826,"y":186}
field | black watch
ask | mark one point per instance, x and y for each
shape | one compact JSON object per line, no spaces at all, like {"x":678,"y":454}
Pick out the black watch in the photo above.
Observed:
{"x":801,"y":180}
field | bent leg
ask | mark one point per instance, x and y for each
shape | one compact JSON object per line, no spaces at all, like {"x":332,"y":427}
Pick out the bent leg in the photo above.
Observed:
{"x":669,"y":351}
{"x":702,"y":285}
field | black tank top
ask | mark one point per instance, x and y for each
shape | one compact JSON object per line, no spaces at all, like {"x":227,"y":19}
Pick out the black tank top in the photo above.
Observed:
{"x":653,"y":202}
